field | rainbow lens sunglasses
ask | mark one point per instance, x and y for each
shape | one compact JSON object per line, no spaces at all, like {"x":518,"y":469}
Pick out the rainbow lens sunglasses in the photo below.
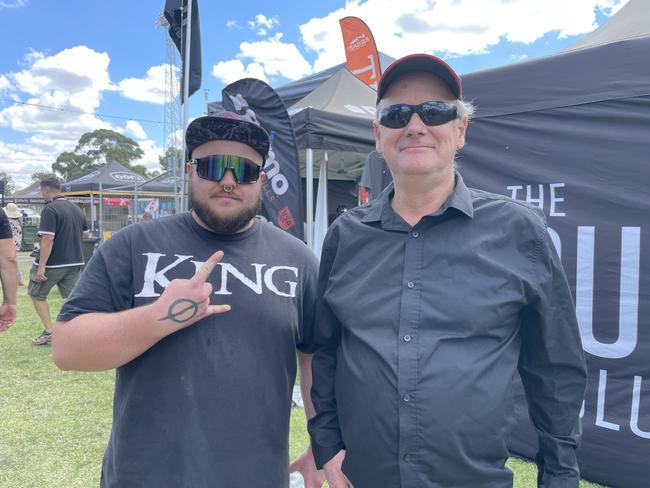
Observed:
{"x":215,"y":166}
{"x":432,"y":113}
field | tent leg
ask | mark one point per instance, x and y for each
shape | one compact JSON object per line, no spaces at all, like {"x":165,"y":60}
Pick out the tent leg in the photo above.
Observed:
{"x":310,"y":198}
{"x":101,"y":214}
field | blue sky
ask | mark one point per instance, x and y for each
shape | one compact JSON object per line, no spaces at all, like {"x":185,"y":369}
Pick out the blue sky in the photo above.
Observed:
{"x":88,"y":64}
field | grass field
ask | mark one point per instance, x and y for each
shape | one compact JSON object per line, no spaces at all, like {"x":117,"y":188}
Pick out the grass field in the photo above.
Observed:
{"x":54,"y":425}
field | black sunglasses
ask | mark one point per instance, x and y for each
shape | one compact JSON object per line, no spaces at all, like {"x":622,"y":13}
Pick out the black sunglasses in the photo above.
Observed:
{"x":432,"y":113}
{"x":215,"y":166}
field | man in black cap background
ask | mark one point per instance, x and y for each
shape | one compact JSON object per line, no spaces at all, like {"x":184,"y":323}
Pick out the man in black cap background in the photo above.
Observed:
{"x":430,"y":299}
{"x":201,"y":314}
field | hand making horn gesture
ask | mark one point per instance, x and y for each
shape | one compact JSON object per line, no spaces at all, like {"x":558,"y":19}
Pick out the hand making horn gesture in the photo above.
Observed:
{"x":185,"y":302}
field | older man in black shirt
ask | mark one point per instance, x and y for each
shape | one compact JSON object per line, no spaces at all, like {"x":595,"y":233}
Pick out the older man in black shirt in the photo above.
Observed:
{"x":431,"y":298}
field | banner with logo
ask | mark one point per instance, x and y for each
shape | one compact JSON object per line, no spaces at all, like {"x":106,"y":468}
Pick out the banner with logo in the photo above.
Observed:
{"x":281,"y":188}
{"x":116,"y":202}
{"x":362,"y":58}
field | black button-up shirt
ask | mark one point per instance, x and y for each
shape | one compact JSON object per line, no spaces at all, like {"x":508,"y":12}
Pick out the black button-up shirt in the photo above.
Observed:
{"x":420,"y":331}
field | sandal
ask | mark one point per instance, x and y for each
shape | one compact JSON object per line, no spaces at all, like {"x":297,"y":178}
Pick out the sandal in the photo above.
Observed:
{"x":44,"y":338}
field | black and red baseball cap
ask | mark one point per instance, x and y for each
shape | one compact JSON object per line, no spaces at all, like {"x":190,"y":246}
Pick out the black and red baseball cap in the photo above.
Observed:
{"x":425,"y":63}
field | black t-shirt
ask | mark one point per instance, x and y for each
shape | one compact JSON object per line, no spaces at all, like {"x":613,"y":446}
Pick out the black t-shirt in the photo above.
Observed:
{"x":5,"y":226}
{"x":207,"y":406}
{"x":66,"y":222}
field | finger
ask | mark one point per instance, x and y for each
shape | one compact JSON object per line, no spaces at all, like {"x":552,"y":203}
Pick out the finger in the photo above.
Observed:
{"x":212,"y":309}
{"x":204,"y":271}
{"x":207,"y":289}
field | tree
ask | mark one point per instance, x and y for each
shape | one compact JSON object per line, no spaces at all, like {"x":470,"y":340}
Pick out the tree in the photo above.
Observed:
{"x":172,"y":156}
{"x":10,"y":186}
{"x":70,"y":166}
{"x":94,"y":149}
{"x":41,"y":175}
{"x":109,"y":144}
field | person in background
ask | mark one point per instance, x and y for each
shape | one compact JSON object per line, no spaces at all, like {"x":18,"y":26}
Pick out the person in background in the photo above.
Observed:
{"x":60,"y":258}
{"x":15,"y":217}
{"x":8,"y":274}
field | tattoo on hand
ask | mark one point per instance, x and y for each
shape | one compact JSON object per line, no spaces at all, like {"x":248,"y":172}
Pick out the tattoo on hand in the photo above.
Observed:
{"x":182,"y":310}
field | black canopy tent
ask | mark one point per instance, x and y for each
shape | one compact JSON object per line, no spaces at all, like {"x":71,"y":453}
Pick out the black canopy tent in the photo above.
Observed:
{"x":337,"y":117}
{"x":112,"y":176}
{"x":29,"y":195}
{"x":570,"y":133}
{"x":335,"y":120}
{"x":116,"y":187}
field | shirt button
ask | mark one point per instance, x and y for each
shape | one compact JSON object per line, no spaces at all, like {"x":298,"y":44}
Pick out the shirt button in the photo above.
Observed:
{"x":415,"y":234}
{"x":407,"y":338}
{"x":407,"y":458}
{"x":410,"y":284}
{"x":406,"y":397}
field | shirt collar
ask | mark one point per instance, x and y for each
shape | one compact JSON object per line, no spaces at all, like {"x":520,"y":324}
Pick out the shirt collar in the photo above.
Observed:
{"x":460,"y":199}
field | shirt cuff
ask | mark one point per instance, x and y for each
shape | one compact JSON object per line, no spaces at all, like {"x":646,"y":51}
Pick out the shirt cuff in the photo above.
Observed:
{"x":322,"y":454}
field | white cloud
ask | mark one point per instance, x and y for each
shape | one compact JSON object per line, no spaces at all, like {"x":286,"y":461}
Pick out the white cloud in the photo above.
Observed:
{"x":447,"y":27}
{"x":134,"y":128}
{"x":22,"y":160}
{"x":269,"y":58}
{"x":14,"y":4}
{"x":64,"y":91}
{"x":152,"y":153}
{"x":610,"y":7}
{"x":277,"y":57}
{"x":454,"y":27}
{"x":77,"y":75}
{"x":150,"y":89}
{"x":514,"y":58}
{"x":5,"y":84}
{"x":263,"y":21}
{"x":233,"y":70}
{"x":233,"y":24}
{"x":56,"y":98}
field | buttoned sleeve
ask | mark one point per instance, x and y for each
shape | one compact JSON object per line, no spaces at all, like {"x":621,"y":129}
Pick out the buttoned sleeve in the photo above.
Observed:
{"x":552,"y":366}
{"x":324,"y":428}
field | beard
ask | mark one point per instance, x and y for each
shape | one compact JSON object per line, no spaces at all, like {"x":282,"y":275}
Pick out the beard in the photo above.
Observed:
{"x":222,"y":224}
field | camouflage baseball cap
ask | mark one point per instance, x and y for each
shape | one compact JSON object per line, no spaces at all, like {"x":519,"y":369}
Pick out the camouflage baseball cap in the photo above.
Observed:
{"x":226,"y":126}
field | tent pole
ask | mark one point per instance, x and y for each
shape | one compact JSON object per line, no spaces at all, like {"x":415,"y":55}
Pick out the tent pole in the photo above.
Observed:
{"x":310,"y":198}
{"x":101,"y":213}
{"x":92,"y":214}
{"x":186,"y":93}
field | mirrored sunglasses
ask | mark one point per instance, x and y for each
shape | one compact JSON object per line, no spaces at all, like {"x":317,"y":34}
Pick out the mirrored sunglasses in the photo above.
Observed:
{"x":215,"y":166}
{"x":432,"y":113}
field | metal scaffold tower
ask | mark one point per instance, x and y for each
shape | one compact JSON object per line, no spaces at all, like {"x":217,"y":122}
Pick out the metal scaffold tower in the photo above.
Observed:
{"x":173,"y":122}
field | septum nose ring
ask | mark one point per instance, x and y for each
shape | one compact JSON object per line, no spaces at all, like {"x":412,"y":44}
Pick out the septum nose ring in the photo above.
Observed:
{"x":228,"y":188}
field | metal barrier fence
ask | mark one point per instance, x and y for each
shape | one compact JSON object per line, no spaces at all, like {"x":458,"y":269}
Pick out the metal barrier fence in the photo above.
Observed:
{"x":110,"y":212}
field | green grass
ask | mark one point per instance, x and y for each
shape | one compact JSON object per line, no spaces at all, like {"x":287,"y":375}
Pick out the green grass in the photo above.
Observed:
{"x":55,"y":425}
